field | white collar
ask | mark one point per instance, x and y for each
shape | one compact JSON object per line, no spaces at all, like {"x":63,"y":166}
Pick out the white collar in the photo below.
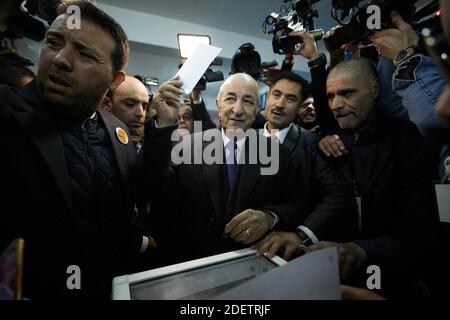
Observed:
{"x":226,"y":140}
{"x":279,"y":134}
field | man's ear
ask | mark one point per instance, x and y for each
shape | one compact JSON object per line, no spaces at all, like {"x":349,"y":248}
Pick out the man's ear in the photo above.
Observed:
{"x":107,"y":104}
{"x":118,"y":78}
{"x":375,"y":88}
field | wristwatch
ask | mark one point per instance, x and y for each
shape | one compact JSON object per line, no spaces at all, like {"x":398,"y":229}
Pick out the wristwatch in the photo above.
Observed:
{"x":405,"y":54}
{"x":321,"y":60}
{"x":306,"y":240}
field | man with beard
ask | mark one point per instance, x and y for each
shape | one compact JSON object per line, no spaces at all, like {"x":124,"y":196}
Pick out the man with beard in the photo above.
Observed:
{"x":67,"y":166}
{"x":307,"y":116}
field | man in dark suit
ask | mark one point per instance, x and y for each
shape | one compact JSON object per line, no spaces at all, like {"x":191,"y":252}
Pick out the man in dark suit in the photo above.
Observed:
{"x":392,"y":184}
{"x":331,"y":205}
{"x":216,"y":206}
{"x":68,"y":167}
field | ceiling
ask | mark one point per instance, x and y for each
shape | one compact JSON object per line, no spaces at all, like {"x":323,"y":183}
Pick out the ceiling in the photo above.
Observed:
{"x":239,"y":16}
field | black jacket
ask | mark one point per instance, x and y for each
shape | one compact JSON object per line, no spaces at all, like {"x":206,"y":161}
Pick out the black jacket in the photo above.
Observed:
{"x":388,"y":166}
{"x":197,"y":201}
{"x":330,"y":200}
{"x":38,"y":202}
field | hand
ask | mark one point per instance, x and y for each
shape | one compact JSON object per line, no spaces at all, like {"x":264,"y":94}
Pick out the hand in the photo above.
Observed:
{"x":338,"y":54}
{"x":195,"y":95}
{"x":151,"y":243}
{"x":332,"y":146}
{"x":389,"y":42}
{"x":249,"y":226}
{"x":351,"y":257}
{"x":351,"y":293}
{"x":276,"y":241}
{"x":309,"y":49}
{"x":167,"y":101}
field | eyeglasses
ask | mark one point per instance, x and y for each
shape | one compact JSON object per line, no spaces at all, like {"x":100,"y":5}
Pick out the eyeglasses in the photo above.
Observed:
{"x":439,"y":50}
{"x":185,"y":117}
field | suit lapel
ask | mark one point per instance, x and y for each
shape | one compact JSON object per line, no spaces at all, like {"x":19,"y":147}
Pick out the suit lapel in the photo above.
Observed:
{"x":291,"y":138}
{"x":124,"y":159}
{"x":44,"y":133}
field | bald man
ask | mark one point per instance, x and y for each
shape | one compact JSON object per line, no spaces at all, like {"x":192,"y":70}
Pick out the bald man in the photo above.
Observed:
{"x":129,"y":103}
{"x":390,"y":181}
{"x":220,"y":206}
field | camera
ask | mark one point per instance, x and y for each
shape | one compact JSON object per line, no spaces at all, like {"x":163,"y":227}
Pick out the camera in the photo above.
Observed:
{"x":21,"y":23}
{"x":357,"y":29}
{"x":300,"y":17}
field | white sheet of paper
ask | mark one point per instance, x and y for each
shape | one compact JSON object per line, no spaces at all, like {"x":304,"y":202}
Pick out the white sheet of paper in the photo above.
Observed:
{"x":195,"y":66}
{"x":443,"y":200}
{"x":314,"y":276}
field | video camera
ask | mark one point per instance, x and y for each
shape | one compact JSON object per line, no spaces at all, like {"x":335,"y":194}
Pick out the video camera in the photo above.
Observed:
{"x":209,"y":76}
{"x":300,"y":17}
{"x":356,"y":29}
{"x":248,"y":60}
{"x":20,"y":21}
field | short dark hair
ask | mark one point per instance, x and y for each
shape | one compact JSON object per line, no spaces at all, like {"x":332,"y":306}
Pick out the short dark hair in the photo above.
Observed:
{"x":93,"y":14}
{"x":293,"y":77}
{"x":361,"y":65}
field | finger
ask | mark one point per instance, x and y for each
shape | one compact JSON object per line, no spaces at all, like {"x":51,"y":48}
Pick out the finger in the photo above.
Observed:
{"x":238,"y":229}
{"x":332,"y":148}
{"x":242,"y":237}
{"x":322,"y":147}
{"x":335,"y":150}
{"x":339,"y":142}
{"x":151,"y":242}
{"x":288,"y":252}
{"x":264,"y":245}
{"x":274,"y":248}
{"x":235,"y":221}
{"x":319,"y":246}
{"x":397,"y":20}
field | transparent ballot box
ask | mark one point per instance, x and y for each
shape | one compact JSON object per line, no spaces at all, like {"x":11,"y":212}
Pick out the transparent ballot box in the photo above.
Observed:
{"x":197,"y":279}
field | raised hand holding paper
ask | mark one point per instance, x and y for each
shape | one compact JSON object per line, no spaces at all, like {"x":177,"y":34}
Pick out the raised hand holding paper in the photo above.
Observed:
{"x":195,"y":66}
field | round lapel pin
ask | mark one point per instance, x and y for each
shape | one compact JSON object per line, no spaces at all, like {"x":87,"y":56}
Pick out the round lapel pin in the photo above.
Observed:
{"x":122,"y":135}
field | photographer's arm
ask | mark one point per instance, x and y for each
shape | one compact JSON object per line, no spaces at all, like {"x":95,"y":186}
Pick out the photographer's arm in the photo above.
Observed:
{"x":327,"y":122}
{"x":199,"y":111}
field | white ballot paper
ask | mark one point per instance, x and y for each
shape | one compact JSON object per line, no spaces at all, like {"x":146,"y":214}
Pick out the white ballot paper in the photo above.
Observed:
{"x":314,"y":276}
{"x":443,"y":200}
{"x":197,"y":63}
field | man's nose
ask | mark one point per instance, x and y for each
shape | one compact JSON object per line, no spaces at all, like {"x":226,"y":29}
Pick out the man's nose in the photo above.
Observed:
{"x":238,"y":108}
{"x":63,"y":59}
{"x":336,"y":104}
{"x":140,"y":113}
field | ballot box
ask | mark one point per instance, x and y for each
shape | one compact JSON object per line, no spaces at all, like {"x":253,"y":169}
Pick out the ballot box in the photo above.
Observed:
{"x":197,"y":279}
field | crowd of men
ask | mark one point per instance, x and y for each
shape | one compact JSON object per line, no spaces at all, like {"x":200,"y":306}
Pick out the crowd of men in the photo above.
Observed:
{"x":91,"y":180}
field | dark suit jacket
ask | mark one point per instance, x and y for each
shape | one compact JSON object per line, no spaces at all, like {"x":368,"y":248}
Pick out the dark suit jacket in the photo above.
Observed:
{"x":399,"y":214}
{"x":36,"y":203}
{"x":330,"y":201}
{"x":198,"y":204}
